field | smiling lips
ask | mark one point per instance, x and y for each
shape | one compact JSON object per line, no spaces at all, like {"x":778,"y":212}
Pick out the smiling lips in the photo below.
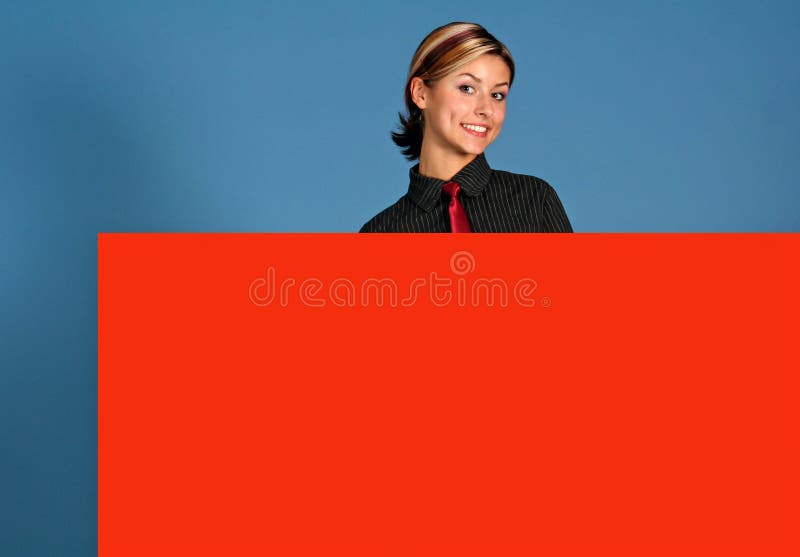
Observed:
{"x":475,"y":129}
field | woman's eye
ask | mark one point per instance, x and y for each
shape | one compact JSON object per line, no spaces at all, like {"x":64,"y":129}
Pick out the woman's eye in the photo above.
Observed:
{"x":465,"y":87}
{"x":499,"y":96}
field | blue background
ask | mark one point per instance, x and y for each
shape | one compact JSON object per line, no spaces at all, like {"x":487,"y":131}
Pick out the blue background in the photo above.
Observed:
{"x":275,"y":117}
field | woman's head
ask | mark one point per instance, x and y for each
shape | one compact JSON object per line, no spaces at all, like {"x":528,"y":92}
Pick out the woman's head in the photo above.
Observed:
{"x":440,"y":60}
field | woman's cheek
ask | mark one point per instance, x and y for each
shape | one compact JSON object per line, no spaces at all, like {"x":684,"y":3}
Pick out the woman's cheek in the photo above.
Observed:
{"x":497,"y":129}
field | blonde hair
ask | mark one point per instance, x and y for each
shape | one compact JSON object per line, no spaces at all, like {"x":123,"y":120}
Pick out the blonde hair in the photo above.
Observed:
{"x":444,"y":50}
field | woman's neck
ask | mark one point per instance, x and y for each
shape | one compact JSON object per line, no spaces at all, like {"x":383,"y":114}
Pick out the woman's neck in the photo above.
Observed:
{"x":442,"y":164}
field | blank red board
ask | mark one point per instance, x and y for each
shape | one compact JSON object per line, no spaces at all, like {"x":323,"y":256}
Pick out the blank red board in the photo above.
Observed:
{"x":327,"y":394}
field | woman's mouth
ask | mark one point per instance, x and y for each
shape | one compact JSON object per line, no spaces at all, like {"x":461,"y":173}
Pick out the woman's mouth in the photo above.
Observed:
{"x":475,"y":129}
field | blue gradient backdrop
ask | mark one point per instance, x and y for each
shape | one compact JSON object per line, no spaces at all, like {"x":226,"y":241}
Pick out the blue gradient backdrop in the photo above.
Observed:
{"x":266,"y":116}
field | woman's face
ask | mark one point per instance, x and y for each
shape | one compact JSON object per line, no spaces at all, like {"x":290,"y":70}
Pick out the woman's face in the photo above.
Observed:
{"x":464,"y":111}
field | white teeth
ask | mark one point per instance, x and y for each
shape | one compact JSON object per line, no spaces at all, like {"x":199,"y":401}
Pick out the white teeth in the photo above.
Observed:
{"x":479,"y":129}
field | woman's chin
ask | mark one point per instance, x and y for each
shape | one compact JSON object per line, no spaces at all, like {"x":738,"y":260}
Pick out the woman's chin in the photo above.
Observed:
{"x":474,"y":149}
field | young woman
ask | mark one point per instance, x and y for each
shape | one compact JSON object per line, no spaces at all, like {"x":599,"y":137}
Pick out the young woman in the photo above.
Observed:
{"x":456,"y":100}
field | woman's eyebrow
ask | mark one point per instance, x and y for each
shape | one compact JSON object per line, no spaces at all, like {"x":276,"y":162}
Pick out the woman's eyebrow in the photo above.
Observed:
{"x":478,"y":80}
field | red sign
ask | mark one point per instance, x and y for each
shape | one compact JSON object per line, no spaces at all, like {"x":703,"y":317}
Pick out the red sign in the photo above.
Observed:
{"x":471,"y":394}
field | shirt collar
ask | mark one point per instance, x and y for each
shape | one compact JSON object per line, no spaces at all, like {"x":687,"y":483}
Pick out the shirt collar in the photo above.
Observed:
{"x":426,"y":191}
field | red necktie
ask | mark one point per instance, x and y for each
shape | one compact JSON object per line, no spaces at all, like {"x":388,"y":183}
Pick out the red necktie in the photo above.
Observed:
{"x":458,"y":218}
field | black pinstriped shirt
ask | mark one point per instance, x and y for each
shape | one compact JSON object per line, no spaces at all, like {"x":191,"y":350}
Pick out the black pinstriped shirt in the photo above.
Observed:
{"x":494,"y":200}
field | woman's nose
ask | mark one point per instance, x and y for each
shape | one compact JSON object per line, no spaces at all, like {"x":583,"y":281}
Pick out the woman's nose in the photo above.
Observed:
{"x":483,"y":108}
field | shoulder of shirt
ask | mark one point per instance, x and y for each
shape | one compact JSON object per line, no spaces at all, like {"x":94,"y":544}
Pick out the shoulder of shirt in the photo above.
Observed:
{"x":521,"y":180}
{"x":385,"y":218}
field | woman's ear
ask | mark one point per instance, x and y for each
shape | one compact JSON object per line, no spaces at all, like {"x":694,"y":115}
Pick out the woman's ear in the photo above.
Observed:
{"x":419,"y":91}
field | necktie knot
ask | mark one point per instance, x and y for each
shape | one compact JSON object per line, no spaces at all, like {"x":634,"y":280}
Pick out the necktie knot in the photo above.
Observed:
{"x":452,"y":189}
{"x":458,"y":217}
